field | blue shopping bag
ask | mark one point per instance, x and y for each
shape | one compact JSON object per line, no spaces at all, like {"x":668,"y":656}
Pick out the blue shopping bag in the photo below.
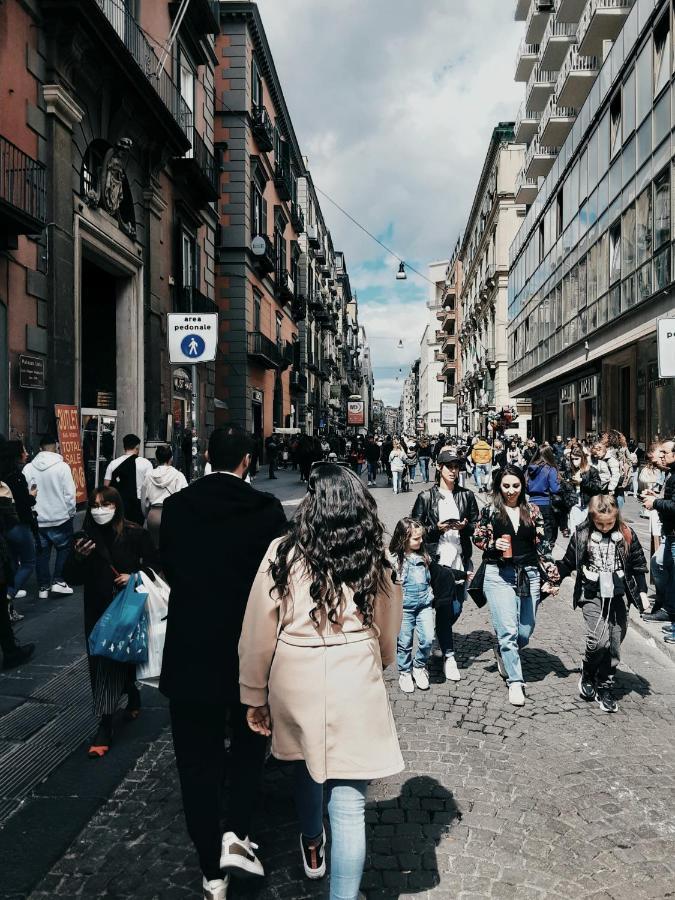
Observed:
{"x":122,"y":631}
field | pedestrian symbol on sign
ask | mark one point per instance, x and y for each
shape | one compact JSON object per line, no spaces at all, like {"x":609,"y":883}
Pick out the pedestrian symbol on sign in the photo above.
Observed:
{"x":193,"y":345}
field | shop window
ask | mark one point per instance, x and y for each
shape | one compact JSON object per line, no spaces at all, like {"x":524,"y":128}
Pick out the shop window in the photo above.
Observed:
{"x":661,"y":54}
{"x":662,"y":209}
{"x":615,"y":125}
{"x":628,"y":241}
{"x":643,"y":91}
{"x":643,"y":217}
{"x":628,"y":104}
{"x":615,"y":252}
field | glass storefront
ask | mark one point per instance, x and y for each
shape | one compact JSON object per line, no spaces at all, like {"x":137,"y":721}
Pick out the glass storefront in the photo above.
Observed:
{"x":655,"y":396}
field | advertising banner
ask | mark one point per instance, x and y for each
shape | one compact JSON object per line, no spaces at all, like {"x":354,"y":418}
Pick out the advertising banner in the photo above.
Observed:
{"x":448,"y":413}
{"x":70,"y":443}
{"x":355,"y":412}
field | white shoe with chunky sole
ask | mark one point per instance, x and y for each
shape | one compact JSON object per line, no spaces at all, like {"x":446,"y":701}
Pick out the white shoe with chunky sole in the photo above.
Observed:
{"x":237,"y":857}
{"x":215,"y":890}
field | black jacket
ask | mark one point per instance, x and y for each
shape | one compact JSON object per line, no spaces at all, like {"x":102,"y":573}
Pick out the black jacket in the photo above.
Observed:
{"x":425,"y":511}
{"x":633,"y":564}
{"x":665,"y":506}
{"x":23,"y":499}
{"x":372,"y":452}
{"x":131,"y":552}
{"x":213,"y":537}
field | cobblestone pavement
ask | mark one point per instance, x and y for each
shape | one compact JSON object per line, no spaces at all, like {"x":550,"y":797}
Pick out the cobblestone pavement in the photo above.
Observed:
{"x":552,"y":800}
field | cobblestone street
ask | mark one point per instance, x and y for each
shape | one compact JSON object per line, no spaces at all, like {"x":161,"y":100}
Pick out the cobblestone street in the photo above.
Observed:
{"x":555,"y":799}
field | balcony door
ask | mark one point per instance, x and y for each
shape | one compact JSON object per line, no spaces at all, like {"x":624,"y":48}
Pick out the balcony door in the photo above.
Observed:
{"x":186,"y":77}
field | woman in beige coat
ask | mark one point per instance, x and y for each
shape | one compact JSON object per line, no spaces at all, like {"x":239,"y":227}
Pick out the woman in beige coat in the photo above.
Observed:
{"x":321,"y":624}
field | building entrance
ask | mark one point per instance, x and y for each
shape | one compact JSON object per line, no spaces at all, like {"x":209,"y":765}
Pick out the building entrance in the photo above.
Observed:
{"x":99,"y":337}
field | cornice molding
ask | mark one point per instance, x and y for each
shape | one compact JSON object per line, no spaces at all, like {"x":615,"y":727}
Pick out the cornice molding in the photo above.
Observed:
{"x":59,"y":103}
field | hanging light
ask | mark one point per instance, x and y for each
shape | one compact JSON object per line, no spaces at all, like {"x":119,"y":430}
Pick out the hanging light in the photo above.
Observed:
{"x":400,"y":343}
{"x":400,"y":275}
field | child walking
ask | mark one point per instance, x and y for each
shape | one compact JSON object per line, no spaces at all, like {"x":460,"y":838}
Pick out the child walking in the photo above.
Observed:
{"x":611,"y":568}
{"x":411,"y":563}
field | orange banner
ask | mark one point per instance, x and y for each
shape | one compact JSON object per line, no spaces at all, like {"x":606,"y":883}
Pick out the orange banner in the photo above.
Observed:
{"x":70,"y":444}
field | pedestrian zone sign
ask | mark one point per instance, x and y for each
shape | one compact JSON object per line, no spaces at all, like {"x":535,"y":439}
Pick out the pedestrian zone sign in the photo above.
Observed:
{"x":193,"y":337}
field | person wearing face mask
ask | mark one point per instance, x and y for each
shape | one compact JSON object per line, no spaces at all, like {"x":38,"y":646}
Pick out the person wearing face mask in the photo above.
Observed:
{"x":107,"y":551}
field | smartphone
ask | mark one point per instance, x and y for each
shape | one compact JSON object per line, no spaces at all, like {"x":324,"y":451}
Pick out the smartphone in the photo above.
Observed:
{"x":449,"y":522}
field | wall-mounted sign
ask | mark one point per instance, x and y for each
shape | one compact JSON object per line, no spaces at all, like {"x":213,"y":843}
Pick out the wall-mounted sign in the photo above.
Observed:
{"x":665,"y":343}
{"x":588,"y":387}
{"x":193,"y":337}
{"x":70,"y":445}
{"x":32,"y":372}
{"x":568,"y":393}
{"x":448,"y":413}
{"x":355,"y":412}
{"x":258,"y":245}
{"x":181,"y":380}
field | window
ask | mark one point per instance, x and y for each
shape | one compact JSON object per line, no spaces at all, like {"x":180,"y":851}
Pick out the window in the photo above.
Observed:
{"x":603,"y":264}
{"x":278,"y":321}
{"x":592,"y":274}
{"x":615,"y":125}
{"x":256,"y":85}
{"x":662,"y":269}
{"x":643,"y":71}
{"x":644,"y":143}
{"x":662,"y":209}
{"x":603,"y":145}
{"x":186,"y":75}
{"x":258,"y":211}
{"x":628,"y":235}
{"x":643,"y":217}
{"x":558,"y":214}
{"x":661,"y":119}
{"x":628,"y":103}
{"x":615,"y":252}
{"x":257,"y":306}
{"x":661,"y":54}
{"x":593,"y":161}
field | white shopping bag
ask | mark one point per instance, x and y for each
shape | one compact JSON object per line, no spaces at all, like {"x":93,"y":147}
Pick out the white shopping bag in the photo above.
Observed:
{"x":157,"y":607}
{"x":576,"y":517}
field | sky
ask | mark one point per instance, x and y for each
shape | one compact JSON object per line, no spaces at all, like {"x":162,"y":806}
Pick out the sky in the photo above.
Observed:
{"x":393,"y":102}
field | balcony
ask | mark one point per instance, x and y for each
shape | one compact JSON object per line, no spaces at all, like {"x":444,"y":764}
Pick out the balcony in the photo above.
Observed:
{"x":521,"y":11}
{"x":313,"y":238}
{"x":283,"y":181}
{"x":23,"y":191}
{"x":262,"y":129}
{"x":264,"y":351}
{"x":320,"y":254}
{"x":198,"y":165}
{"x":267,"y":261}
{"x":440,"y":336}
{"x":569,"y":10}
{"x":449,"y":366}
{"x":558,"y":38}
{"x":556,"y":124}
{"x":190,"y":300}
{"x":299,"y":308}
{"x":316,"y":303}
{"x":449,"y":324}
{"x":539,"y":159}
{"x":323,"y":370}
{"x":526,"y":60}
{"x":526,"y":189}
{"x":602,"y":20}
{"x":576,"y":79}
{"x":121,"y":39}
{"x":537,"y":19}
{"x":448,"y":344}
{"x":298,"y":382}
{"x":527,"y":124}
{"x":539,"y":88}
{"x":297,"y":218}
{"x":439,"y":356}
{"x":285,"y":288}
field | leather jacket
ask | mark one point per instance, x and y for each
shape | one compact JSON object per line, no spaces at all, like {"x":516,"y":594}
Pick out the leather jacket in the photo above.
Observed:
{"x":665,"y":506}
{"x":425,"y":511}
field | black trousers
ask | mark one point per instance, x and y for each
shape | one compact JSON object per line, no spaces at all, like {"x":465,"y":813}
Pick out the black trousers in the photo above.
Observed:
{"x":199,"y":731}
{"x":7,"y":641}
{"x":550,"y":524}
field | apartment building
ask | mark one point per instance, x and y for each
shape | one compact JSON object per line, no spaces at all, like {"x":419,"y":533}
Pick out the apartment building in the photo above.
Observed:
{"x":484,"y":252}
{"x":451,"y":370}
{"x":432,"y":381}
{"x":107,"y":180}
{"x":592,"y":263}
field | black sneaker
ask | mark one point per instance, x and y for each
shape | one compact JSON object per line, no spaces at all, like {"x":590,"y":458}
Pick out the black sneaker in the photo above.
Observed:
{"x":660,"y":616}
{"x":586,"y":688}
{"x":314,"y":856}
{"x":18,"y":656}
{"x":605,"y":700}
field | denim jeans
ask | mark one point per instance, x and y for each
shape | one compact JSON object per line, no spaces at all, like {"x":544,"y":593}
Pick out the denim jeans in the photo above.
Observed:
{"x":513,"y":617}
{"x":412,"y":470}
{"x":60,"y":537}
{"x":419,"y":618}
{"x":372,"y":471}
{"x":620,"y":499}
{"x":446,"y":616}
{"x":22,"y":549}
{"x":669,"y":575}
{"x":396,"y":478}
{"x":424,"y":467}
{"x":481,"y":474}
{"x":346,"y":811}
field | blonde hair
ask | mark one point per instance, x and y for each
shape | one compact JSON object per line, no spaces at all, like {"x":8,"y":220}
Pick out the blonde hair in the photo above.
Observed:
{"x":604,"y":505}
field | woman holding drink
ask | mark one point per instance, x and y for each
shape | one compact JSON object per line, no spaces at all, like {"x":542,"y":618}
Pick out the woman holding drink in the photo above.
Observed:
{"x":515,"y":550}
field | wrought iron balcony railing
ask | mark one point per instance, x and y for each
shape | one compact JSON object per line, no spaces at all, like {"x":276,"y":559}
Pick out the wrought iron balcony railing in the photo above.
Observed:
{"x":23,"y":190}
{"x":190,"y":300}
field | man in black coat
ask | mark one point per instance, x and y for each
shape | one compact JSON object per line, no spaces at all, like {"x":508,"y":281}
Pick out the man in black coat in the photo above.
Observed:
{"x":213,"y":537}
{"x":665,"y":507}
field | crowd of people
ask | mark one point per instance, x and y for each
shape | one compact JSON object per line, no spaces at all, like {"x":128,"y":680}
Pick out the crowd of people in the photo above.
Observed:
{"x":282,"y":630}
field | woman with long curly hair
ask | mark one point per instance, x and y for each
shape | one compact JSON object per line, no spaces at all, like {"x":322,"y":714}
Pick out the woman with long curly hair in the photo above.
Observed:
{"x":320,"y":626}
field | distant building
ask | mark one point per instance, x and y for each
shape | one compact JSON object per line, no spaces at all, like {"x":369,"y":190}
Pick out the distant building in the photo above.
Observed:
{"x":432,"y":381}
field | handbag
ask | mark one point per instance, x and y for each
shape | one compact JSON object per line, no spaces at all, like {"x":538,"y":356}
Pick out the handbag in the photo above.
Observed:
{"x":121,"y":633}
{"x":157,"y":608}
{"x":476,"y":586}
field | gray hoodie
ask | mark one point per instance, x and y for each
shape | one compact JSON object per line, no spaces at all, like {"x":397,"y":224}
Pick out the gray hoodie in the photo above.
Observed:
{"x":55,"y":501}
{"x":159,"y":484}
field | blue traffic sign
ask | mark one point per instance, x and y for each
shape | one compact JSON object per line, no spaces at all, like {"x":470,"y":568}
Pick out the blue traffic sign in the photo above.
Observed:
{"x":193,"y":345}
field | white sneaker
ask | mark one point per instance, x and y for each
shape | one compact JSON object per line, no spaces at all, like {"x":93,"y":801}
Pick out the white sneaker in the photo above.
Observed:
{"x":406,"y":683}
{"x":20,"y":595}
{"x":43,"y":594}
{"x":237,"y":855}
{"x":451,"y":670}
{"x":500,"y":663}
{"x":421,"y":678}
{"x":516,"y":695}
{"x":215,"y":890}
{"x":60,"y":587}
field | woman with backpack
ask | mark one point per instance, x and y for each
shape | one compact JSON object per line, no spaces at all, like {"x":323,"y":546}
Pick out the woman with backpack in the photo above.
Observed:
{"x":543,"y":488}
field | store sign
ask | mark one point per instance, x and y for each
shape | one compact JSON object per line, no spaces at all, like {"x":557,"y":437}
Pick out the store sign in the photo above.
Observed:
{"x":70,"y":445}
{"x":193,"y":338}
{"x":588,"y":387}
{"x":568,"y":393}
{"x":181,"y":380}
{"x":355,"y":412}
{"x":448,"y":413}
{"x":665,"y":344}
{"x":32,"y":372}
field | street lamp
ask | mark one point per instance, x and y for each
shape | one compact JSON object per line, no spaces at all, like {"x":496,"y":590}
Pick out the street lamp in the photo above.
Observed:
{"x":401,"y":275}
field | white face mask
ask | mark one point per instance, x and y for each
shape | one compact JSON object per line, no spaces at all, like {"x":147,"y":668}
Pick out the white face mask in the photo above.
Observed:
{"x":104,"y":515}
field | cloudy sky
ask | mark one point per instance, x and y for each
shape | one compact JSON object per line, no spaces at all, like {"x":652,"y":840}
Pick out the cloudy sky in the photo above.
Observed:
{"x":393,"y":102}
